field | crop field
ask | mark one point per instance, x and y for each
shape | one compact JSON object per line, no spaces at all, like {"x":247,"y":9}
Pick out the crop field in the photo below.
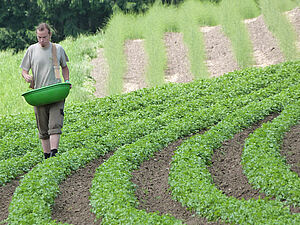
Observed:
{"x":214,"y":150}
{"x":136,"y":125}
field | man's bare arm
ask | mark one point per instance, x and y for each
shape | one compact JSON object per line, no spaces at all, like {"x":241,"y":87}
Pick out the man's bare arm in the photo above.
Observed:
{"x":26,"y":76}
{"x":65,"y":73}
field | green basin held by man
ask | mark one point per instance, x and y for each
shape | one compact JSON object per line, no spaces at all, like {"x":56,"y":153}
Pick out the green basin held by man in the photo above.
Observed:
{"x":47,"y":95}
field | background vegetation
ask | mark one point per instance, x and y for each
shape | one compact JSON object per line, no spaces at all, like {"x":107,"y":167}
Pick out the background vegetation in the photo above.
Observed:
{"x":19,"y":18}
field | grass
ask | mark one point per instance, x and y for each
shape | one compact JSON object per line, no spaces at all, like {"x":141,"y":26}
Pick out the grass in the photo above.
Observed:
{"x":158,"y":20}
{"x":12,"y":84}
{"x":80,"y":52}
{"x":233,"y":26}
{"x":113,"y":51}
{"x":279,"y":25}
{"x":188,"y":19}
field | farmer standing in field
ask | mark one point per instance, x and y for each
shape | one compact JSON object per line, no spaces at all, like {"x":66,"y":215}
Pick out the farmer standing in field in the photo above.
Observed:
{"x":38,"y":58}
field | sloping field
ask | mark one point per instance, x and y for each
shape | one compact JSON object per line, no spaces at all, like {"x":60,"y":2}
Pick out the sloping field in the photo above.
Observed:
{"x":214,"y":151}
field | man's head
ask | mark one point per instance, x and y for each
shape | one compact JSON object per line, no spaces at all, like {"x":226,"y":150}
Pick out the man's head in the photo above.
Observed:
{"x":43,"y":33}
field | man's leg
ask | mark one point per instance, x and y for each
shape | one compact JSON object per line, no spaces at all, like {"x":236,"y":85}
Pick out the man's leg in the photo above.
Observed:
{"x":56,"y":119}
{"x":46,"y":147}
{"x":41,"y":115}
{"x":54,"y":142}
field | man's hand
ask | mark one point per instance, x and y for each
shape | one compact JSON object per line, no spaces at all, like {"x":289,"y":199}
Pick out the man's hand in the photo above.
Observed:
{"x":27,"y":77}
{"x":67,"y":81}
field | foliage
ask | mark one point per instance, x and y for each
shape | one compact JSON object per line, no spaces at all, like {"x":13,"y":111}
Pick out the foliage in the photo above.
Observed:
{"x":262,"y":161}
{"x":18,"y":18}
{"x":235,"y":29}
{"x":279,"y":25}
{"x":69,"y":18}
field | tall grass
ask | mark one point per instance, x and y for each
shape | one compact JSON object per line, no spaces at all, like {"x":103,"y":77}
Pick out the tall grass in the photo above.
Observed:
{"x":188,"y":19}
{"x":121,"y":27}
{"x":280,"y":26}
{"x":158,"y":20}
{"x":12,"y":84}
{"x":185,"y":18}
{"x":79,"y":50}
{"x":113,"y":51}
{"x":235,"y":29}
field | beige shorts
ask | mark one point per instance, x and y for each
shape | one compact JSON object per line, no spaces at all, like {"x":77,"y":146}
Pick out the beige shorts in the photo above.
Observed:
{"x":49,"y":119}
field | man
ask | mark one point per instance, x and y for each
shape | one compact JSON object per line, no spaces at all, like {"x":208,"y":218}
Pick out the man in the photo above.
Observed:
{"x":39,"y":59}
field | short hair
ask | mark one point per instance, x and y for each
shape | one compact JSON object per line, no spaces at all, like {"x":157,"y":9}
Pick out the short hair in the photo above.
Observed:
{"x":43,"y":26}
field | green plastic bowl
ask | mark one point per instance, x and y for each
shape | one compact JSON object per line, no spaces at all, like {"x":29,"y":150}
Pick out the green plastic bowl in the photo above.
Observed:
{"x":47,"y":95}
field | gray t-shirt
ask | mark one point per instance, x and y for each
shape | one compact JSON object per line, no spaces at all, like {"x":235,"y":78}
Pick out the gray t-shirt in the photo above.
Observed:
{"x":40,"y":61}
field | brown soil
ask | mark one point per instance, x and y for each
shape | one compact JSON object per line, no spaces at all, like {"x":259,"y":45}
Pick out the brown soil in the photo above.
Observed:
{"x":291,"y":148}
{"x":100,"y":74}
{"x":265,"y":47}
{"x":291,"y":151}
{"x":220,"y":58}
{"x":72,"y":205}
{"x":294,"y":18}
{"x":226,"y":168}
{"x":6,"y":193}
{"x":153,"y":189}
{"x":135,"y":77}
{"x":178,"y":66}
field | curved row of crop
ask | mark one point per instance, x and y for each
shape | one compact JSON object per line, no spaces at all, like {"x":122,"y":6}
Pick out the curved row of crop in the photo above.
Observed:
{"x":192,"y":184}
{"x":113,"y":193}
{"x":33,"y":198}
{"x":83,"y":126}
{"x":263,"y":164}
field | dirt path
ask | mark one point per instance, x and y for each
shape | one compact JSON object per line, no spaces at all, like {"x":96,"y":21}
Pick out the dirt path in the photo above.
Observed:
{"x":100,"y":74}
{"x":291,"y":148}
{"x":153,"y":189}
{"x":72,"y":204}
{"x":178,"y":66}
{"x":220,"y":58}
{"x":6,"y":193}
{"x":294,"y":17}
{"x":265,"y":47}
{"x":135,"y":77}
{"x":226,"y":168}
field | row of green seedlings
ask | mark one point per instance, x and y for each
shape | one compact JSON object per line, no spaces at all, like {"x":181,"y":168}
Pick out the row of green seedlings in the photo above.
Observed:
{"x":191,"y":161}
{"x":113,"y":194}
{"x":87,"y":125}
{"x":263,"y":164}
{"x":187,"y":19}
{"x":33,"y":198}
